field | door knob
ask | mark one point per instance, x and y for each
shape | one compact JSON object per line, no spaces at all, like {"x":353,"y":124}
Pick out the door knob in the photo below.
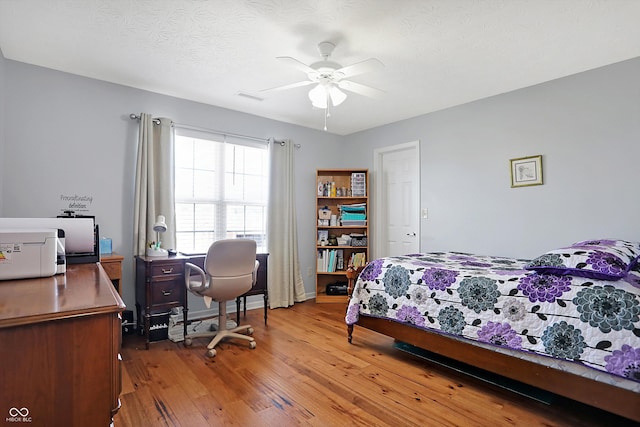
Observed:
{"x":411,"y":234}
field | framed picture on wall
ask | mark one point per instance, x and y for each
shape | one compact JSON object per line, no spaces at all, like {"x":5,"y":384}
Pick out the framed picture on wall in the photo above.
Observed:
{"x":526,"y":171}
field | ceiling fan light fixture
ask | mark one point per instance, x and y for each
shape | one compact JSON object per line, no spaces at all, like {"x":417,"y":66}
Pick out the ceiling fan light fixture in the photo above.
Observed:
{"x":318,"y":96}
{"x":337,"y":96}
{"x":321,"y":94}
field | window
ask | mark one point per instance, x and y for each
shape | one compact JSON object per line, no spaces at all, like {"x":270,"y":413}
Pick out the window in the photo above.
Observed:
{"x":221,"y":189}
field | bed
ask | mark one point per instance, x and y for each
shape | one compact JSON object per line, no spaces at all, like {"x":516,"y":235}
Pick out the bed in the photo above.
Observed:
{"x":567,"y":322}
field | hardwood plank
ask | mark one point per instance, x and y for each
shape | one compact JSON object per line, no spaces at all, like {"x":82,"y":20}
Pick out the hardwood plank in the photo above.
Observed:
{"x":303,"y":372}
{"x":127,"y":383}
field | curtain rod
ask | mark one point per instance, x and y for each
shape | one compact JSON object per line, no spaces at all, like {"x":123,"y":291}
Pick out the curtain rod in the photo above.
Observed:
{"x":283,"y":143}
{"x":201,"y":129}
{"x":136,"y":117}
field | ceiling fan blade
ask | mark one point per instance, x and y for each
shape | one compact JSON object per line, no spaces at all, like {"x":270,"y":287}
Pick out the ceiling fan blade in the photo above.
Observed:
{"x":289,"y":86}
{"x":365,"y":66}
{"x":296,"y":64}
{"x":360,"y":89}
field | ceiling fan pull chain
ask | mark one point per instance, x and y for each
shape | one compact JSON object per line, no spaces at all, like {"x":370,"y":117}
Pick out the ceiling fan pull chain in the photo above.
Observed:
{"x":326,"y":114}
{"x":326,"y":111}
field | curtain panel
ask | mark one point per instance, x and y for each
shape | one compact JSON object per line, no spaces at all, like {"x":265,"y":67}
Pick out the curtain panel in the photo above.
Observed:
{"x":285,"y":278}
{"x":155,"y":183}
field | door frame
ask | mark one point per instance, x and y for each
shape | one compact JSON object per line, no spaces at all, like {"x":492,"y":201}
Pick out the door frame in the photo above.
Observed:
{"x":376,"y":203}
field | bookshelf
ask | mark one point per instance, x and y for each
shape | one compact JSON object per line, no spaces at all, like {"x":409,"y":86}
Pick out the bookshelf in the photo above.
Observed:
{"x":342,"y":228}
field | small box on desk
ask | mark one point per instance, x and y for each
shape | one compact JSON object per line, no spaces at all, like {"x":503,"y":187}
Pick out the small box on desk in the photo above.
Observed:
{"x":159,"y":327}
{"x":105,"y":245}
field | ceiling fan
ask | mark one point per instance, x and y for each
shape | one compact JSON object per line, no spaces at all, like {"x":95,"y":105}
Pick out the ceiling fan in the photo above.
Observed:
{"x":329,"y":78}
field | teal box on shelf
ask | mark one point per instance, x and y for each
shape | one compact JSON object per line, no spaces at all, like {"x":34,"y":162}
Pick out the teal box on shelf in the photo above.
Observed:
{"x":105,"y":245}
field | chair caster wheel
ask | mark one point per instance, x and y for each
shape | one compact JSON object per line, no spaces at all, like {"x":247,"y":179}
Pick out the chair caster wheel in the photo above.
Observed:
{"x":252,"y":345}
{"x":188,"y":342}
{"x":249,"y":331}
{"x":211,"y":352}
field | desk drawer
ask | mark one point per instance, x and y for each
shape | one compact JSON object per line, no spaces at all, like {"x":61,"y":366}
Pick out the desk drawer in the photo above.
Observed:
{"x":167,"y":269}
{"x":113,"y":270}
{"x":166,"y":291}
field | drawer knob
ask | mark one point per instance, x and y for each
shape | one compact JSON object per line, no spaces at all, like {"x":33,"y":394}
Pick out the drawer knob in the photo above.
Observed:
{"x":167,"y":293}
{"x":167,"y":270}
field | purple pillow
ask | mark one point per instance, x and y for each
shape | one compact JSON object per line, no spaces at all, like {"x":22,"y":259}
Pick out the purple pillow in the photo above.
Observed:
{"x":602,"y":259}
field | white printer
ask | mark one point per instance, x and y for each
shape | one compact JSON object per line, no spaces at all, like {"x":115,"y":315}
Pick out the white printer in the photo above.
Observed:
{"x":27,"y":253}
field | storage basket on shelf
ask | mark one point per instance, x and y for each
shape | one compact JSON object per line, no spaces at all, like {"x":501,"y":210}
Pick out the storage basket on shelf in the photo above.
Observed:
{"x":324,"y":216}
{"x":324,"y":213}
{"x":358,"y":240}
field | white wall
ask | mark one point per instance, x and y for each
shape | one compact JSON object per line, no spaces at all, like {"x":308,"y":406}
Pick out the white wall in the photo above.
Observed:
{"x":586,"y":126}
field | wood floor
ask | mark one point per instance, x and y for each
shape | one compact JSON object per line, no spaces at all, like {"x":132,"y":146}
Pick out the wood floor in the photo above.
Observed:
{"x":304,"y":373}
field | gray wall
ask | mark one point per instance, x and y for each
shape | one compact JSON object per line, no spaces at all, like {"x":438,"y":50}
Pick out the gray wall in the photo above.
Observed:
{"x":586,"y":126}
{"x":70,"y":135}
{"x":64,"y":134}
{"x":2,"y":128}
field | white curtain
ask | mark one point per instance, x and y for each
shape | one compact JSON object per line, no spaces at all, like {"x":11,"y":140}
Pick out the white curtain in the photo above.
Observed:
{"x":285,"y":279}
{"x":154,"y":183}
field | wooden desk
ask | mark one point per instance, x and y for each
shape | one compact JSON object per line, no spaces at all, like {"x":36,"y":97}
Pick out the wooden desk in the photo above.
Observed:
{"x":60,"y":340}
{"x":112,"y":264}
{"x":160,"y":287}
{"x":259,"y":288}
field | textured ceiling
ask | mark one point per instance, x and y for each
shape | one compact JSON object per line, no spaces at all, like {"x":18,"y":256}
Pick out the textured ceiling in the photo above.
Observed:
{"x":437,"y":53}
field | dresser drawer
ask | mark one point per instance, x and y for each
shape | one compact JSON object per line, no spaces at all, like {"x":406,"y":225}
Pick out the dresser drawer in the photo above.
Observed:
{"x":167,"y":269}
{"x":166,"y":291}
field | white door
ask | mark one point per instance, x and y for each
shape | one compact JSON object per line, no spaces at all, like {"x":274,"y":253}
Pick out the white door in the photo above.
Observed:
{"x":397,"y":200}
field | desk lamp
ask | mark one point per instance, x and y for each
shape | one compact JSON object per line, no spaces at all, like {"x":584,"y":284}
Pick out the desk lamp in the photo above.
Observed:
{"x":159,"y":227}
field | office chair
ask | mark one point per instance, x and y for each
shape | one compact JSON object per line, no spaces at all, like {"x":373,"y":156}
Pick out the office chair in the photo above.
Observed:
{"x":230,"y":268}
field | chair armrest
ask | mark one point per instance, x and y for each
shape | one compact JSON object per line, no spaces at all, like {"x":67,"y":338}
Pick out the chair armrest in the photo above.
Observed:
{"x":198,"y":285}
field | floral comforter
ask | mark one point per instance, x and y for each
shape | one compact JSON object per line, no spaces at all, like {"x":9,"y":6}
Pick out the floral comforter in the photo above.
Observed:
{"x":496,"y":301}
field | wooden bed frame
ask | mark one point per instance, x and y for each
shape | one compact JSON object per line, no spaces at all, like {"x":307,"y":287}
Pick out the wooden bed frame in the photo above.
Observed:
{"x":600,"y":395}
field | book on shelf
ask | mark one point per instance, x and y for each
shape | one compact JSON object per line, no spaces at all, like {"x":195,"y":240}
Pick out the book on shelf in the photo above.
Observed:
{"x":339,"y":259}
{"x":358,"y":259}
{"x":330,"y":260}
